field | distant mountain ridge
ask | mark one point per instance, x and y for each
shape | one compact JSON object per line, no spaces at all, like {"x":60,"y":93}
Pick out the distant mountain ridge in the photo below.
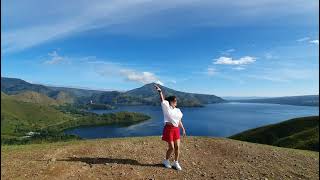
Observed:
{"x":307,"y":100}
{"x":149,"y":94}
{"x":13,"y":86}
{"x":145,"y":95}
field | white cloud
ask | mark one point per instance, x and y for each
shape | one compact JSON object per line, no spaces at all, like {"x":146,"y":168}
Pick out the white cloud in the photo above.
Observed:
{"x":20,"y":39}
{"x":106,"y":69}
{"x":29,"y":23}
{"x":211,"y":71}
{"x":55,"y":58}
{"x":230,"y":61}
{"x":303,"y":39}
{"x":115,"y":71}
{"x":227,"y":52}
{"x":316,"y":41}
{"x":142,"y":77}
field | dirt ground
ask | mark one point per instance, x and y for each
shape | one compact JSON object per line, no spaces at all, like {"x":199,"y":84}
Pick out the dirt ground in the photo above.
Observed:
{"x":141,"y":157}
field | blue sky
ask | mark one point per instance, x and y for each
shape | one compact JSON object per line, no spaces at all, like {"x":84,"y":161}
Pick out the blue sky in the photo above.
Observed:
{"x":226,"y":48}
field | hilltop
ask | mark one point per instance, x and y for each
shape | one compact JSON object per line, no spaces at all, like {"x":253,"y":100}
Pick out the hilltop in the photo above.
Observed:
{"x":298,"y":133}
{"x":34,"y":97}
{"x":140,"y":158}
{"x":149,"y":94}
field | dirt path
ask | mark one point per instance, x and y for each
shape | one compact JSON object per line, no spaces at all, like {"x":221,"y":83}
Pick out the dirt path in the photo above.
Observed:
{"x":140,"y":158}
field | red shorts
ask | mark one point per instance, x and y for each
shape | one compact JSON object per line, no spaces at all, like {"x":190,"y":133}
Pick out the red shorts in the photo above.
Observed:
{"x":170,"y":133}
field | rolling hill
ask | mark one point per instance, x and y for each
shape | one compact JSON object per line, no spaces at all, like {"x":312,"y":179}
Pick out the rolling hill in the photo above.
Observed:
{"x":308,"y":100}
{"x":19,"y":117}
{"x":145,"y":95}
{"x":298,"y":133}
{"x":34,"y":97}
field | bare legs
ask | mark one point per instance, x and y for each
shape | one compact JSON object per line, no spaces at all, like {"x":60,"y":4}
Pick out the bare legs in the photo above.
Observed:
{"x":173,"y":146}
{"x":170,"y":149}
{"x":176,"y":149}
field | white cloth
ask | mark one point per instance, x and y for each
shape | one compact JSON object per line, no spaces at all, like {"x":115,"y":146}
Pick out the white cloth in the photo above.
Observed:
{"x":170,"y":114}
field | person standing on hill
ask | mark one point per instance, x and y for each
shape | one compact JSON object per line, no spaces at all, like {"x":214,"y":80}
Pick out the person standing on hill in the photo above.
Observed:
{"x":171,"y":131}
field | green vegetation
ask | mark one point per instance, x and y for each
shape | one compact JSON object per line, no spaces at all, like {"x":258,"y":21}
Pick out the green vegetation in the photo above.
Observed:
{"x":85,"y":118}
{"x":298,"y":133}
{"x":18,"y":118}
{"x":44,"y":136}
{"x":34,"y":97}
{"x":84,"y":107}
{"x":99,"y":107}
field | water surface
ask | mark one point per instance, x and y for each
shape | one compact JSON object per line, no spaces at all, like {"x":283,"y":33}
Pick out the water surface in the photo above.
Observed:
{"x":219,"y":120}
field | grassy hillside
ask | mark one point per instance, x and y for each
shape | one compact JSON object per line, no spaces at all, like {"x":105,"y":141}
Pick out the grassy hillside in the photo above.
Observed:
{"x":34,"y":97}
{"x":298,"y":133}
{"x":19,"y":117}
{"x":140,"y":158}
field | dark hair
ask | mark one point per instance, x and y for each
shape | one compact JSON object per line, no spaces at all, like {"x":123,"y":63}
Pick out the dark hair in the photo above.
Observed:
{"x":171,"y":98}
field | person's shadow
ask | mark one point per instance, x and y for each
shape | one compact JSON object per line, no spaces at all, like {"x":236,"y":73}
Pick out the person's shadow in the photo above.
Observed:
{"x":91,"y":161}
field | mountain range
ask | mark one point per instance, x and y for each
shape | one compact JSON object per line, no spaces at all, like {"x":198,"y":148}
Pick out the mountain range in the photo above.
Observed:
{"x":145,"y":95}
{"x":307,"y":100}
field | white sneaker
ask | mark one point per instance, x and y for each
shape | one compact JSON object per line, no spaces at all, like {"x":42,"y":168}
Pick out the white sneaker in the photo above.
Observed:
{"x":176,"y":165}
{"x":166,"y":163}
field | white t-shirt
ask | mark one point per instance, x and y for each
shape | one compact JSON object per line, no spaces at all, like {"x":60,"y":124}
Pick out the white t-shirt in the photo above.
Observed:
{"x":170,"y":114}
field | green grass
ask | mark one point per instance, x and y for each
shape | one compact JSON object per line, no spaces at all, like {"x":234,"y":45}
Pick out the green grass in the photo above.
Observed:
{"x":298,"y":133}
{"x":34,"y":97}
{"x":18,"y":117}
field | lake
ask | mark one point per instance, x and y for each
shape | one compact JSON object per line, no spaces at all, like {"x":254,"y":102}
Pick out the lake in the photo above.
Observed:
{"x":219,"y":120}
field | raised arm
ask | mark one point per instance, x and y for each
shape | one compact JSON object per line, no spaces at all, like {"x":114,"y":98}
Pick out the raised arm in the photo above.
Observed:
{"x":160,"y":92}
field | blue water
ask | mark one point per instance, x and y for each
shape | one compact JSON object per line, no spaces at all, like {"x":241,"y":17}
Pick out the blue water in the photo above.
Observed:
{"x":219,"y":120}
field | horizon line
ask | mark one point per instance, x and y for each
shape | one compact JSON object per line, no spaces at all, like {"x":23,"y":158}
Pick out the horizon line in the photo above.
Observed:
{"x":108,"y":90}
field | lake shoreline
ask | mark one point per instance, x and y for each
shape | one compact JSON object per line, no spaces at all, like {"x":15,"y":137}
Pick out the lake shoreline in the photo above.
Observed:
{"x":216,"y":120}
